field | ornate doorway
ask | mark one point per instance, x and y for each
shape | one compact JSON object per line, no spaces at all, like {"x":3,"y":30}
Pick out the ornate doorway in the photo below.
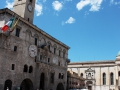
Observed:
{"x":26,"y":85}
{"x":42,"y":78}
{"x":8,"y":84}
{"x":60,"y":86}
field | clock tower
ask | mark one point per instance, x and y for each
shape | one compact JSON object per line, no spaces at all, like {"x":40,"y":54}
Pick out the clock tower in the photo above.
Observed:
{"x":25,"y":8}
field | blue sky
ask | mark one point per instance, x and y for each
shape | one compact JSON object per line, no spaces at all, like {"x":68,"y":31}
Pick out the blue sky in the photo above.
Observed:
{"x":90,"y":27}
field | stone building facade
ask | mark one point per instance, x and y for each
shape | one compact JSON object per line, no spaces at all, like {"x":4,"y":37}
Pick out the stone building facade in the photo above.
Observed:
{"x":99,"y":75}
{"x":30,"y":59}
{"x":74,"y":81}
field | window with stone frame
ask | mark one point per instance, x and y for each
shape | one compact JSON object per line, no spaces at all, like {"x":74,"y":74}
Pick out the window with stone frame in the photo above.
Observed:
{"x":111,"y":78}
{"x":35,"y":59}
{"x":63,"y":53}
{"x":17,"y":33}
{"x":62,"y":76}
{"x":58,"y":63}
{"x":36,"y":41}
{"x":30,"y":69}
{"x":41,"y":57}
{"x":81,"y":75}
{"x":13,"y":66}
{"x":59,"y":52}
{"x":49,"y":47}
{"x":48,"y":60}
{"x":15,"y":48}
{"x":54,"y":50}
{"x":59,"y":75}
{"x":52,"y":77}
{"x":104,"y":79}
{"x":25,"y":68}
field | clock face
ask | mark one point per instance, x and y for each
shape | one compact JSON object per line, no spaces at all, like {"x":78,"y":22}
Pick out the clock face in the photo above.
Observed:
{"x":55,"y":60}
{"x":33,"y":50}
{"x":30,"y":7}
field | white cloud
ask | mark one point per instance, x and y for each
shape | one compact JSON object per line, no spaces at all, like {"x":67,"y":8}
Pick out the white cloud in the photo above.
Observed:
{"x":57,"y":5}
{"x":95,"y":4}
{"x":38,"y":9}
{"x":82,"y":4}
{"x":9,"y":4}
{"x":38,"y":6}
{"x":70,"y":20}
{"x":86,"y":13}
{"x":116,"y":3}
{"x":112,"y":2}
{"x":68,"y":0}
{"x":44,"y":1}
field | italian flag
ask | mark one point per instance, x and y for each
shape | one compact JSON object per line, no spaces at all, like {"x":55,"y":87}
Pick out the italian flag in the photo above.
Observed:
{"x":7,"y":25}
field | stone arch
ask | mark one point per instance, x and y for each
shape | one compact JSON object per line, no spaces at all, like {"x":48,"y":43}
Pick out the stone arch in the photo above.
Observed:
{"x":26,"y":84}
{"x":60,"y":48}
{"x":55,"y":46}
{"x":64,"y":50}
{"x":43,"y":42}
{"x":60,"y":86}
{"x":8,"y":84}
{"x":36,"y":36}
{"x":49,"y":43}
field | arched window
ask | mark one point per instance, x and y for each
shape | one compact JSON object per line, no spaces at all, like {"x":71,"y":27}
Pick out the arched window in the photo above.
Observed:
{"x":59,"y":52}
{"x":111,"y":79}
{"x":81,"y":75}
{"x":36,"y":41}
{"x":49,"y":46}
{"x":25,"y":68}
{"x":30,"y":69}
{"x":63,"y":53}
{"x":119,"y":73}
{"x":54,"y":50}
{"x":104,"y":79}
{"x":59,"y":75}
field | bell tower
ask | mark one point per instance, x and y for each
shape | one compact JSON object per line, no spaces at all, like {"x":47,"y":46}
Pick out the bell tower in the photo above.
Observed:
{"x":25,"y":8}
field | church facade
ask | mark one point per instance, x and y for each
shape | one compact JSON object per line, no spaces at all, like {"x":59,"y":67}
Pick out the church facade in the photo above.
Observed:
{"x":30,"y":59}
{"x":99,"y":75}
